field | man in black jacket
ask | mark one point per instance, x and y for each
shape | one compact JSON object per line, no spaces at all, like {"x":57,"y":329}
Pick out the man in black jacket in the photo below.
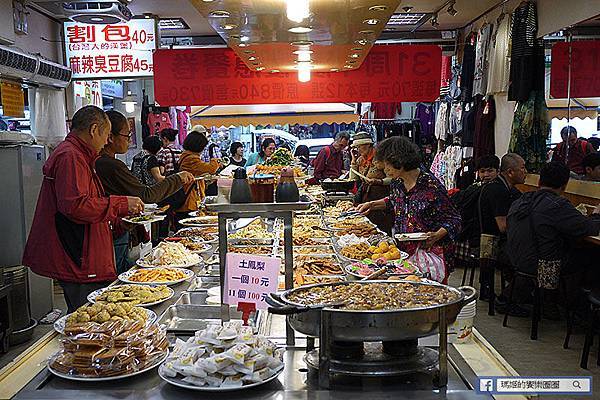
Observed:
{"x":550,"y":220}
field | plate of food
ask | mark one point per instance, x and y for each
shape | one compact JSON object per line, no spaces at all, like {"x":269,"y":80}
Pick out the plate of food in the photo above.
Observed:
{"x":140,"y":295}
{"x":157,"y":276}
{"x":225,"y":358}
{"x":144,"y":219}
{"x":100,"y":313}
{"x":204,"y":220}
{"x":386,"y":251}
{"x":195,"y":246}
{"x":361,"y":269}
{"x":109,"y":351}
{"x":169,"y":254}
{"x":411,"y":237}
{"x":205,"y":233}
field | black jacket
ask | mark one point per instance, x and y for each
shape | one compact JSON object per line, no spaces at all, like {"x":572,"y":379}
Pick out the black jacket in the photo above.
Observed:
{"x":556,"y":223}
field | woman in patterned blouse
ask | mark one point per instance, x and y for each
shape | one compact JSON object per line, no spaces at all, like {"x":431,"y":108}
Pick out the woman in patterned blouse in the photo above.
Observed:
{"x":418,"y":199}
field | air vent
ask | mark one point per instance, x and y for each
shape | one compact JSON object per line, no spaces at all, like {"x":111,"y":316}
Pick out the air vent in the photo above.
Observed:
{"x":17,"y":61}
{"x":53,"y":74}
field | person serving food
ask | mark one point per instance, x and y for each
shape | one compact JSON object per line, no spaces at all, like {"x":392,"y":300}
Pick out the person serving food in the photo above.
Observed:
{"x":418,"y":200}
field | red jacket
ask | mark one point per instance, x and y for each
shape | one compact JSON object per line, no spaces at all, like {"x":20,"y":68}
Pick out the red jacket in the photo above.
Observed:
{"x":70,"y":238}
{"x":329,"y":163}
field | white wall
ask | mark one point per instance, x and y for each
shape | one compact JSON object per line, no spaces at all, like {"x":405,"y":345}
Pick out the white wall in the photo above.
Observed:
{"x":40,"y":27}
{"x":554,"y":15}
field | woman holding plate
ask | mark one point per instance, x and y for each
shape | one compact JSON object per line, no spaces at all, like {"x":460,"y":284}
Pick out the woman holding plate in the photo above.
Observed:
{"x":419,"y":202}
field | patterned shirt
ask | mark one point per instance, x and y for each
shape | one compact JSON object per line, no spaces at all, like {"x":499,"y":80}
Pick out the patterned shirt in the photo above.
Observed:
{"x":165,"y":157}
{"x":424,"y":208}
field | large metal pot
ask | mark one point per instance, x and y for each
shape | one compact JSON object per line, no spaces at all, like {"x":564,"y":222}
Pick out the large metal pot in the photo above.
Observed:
{"x":370,"y":325}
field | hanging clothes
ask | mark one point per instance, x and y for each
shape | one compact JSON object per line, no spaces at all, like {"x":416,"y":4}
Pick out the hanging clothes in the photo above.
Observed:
{"x":425,"y":116}
{"x":158,"y":122}
{"x":454,"y":93}
{"x":484,"y":143}
{"x":499,"y":57}
{"x":441,"y":122}
{"x":182,"y":123}
{"x":468,"y":124}
{"x":455,"y":119}
{"x":467,"y":74}
{"x":446,"y":76}
{"x":438,"y":165}
{"x":527,"y":65}
{"x":530,"y":130}
{"x":481,"y":60}
{"x":453,"y":157}
{"x":386,"y":110}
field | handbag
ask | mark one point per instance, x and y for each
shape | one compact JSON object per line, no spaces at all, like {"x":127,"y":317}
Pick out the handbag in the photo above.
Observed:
{"x":429,"y":263}
{"x":489,"y":245}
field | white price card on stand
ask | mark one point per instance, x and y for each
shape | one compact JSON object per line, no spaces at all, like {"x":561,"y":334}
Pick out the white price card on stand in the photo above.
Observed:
{"x":250,"y":278}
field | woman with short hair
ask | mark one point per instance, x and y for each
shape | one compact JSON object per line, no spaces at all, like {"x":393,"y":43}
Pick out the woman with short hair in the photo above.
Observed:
{"x":419,"y":201}
{"x":237,"y":154}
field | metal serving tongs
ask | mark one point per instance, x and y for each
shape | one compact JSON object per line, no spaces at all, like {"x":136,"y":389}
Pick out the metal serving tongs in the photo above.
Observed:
{"x":348,"y":214}
{"x":377,"y":273}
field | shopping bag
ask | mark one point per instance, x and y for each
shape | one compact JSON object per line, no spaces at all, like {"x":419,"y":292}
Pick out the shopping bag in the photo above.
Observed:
{"x":429,"y":263}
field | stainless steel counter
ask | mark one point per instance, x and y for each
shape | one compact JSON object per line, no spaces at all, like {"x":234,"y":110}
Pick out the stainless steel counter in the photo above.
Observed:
{"x":294,"y":383}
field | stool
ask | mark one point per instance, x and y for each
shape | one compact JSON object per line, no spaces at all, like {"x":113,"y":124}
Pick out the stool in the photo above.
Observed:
{"x":470,"y":265}
{"x":594,"y":299}
{"x":571,"y":317}
{"x":537,"y":301}
{"x":6,"y":320}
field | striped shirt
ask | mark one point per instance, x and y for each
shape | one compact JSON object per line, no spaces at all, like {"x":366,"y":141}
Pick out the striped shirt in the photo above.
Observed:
{"x":169,"y":156}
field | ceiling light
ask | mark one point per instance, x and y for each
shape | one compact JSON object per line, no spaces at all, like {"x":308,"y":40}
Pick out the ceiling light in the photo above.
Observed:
{"x":304,"y":72}
{"x":228,"y":27}
{"x":304,"y":56}
{"x":219,"y":14}
{"x":249,"y":51}
{"x":243,"y":44}
{"x":334,"y":70}
{"x":351,"y":62}
{"x":434,"y":21}
{"x":371,"y":21}
{"x":297,"y":10}
{"x":260,"y":68}
{"x":405,"y":19}
{"x":300,"y":29}
{"x":362,"y":42}
{"x":354,"y":55}
{"x":378,"y":8}
{"x":302,"y":43}
{"x":208,"y":1}
{"x":451,"y":10}
{"x":357,"y":49}
{"x":251,"y":58}
{"x":129,"y":102}
{"x":348,"y":66}
{"x":244,"y":38}
{"x":274,"y":71}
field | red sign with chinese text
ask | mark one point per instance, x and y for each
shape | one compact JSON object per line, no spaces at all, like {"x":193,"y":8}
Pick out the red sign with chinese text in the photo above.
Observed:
{"x":585,"y":69}
{"x":218,"y":77}
{"x":106,"y":51}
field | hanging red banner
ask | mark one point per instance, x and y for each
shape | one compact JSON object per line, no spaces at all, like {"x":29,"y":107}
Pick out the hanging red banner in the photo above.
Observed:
{"x":585,"y":69}
{"x":218,"y":77}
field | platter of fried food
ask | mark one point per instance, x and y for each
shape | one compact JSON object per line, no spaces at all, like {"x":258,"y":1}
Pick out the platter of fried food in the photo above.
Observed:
{"x":169,"y":254}
{"x":348,"y":223}
{"x":313,"y":265}
{"x":155,"y":276}
{"x":301,"y":280}
{"x":195,"y":221}
{"x":362,"y":229}
{"x":195,"y":246}
{"x":257,"y":250}
{"x":222,"y":358}
{"x":306,"y":221}
{"x":385,"y":251}
{"x":309,"y":231}
{"x":316,"y":249}
{"x":137,"y":295}
{"x":112,"y":350}
{"x":207,"y":233}
{"x":340,"y":207}
{"x":103,"y":312}
{"x":256,"y":232}
{"x":305,"y":239}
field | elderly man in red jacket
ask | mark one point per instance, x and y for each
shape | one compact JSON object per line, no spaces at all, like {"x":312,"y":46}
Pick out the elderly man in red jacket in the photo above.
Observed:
{"x":70,"y":238}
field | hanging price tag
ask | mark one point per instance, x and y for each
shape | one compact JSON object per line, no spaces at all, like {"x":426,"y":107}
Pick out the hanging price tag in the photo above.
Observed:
{"x":250,"y":279}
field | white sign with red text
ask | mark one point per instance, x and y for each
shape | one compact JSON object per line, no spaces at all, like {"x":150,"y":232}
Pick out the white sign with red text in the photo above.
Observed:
{"x":106,"y":51}
{"x":250,"y":279}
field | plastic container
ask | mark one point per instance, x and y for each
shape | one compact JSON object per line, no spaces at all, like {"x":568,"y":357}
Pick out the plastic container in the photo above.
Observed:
{"x":461,"y":331}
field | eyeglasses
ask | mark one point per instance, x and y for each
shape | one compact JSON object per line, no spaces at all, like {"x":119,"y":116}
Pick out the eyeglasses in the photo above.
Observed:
{"x":127,"y":136}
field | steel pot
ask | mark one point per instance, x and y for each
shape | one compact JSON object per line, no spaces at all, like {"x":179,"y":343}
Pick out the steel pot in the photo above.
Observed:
{"x":370,"y":325}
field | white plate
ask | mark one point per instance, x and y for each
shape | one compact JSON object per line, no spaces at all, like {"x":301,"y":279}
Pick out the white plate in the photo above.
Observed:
{"x":144,"y":263}
{"x":180,"y":383}
{"x":60,"y":324}
{"x":195,"y":221}
{"x":124,"y":277}
{"x":403,"y":256}
{"x":92,"y":296}
{"x":155,"y":218}
{"x":411,"y":237}
{"x":108,"y":378}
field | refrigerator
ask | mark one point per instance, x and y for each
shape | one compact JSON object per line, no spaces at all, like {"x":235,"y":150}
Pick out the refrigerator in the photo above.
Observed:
{"x":20,"y":183}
